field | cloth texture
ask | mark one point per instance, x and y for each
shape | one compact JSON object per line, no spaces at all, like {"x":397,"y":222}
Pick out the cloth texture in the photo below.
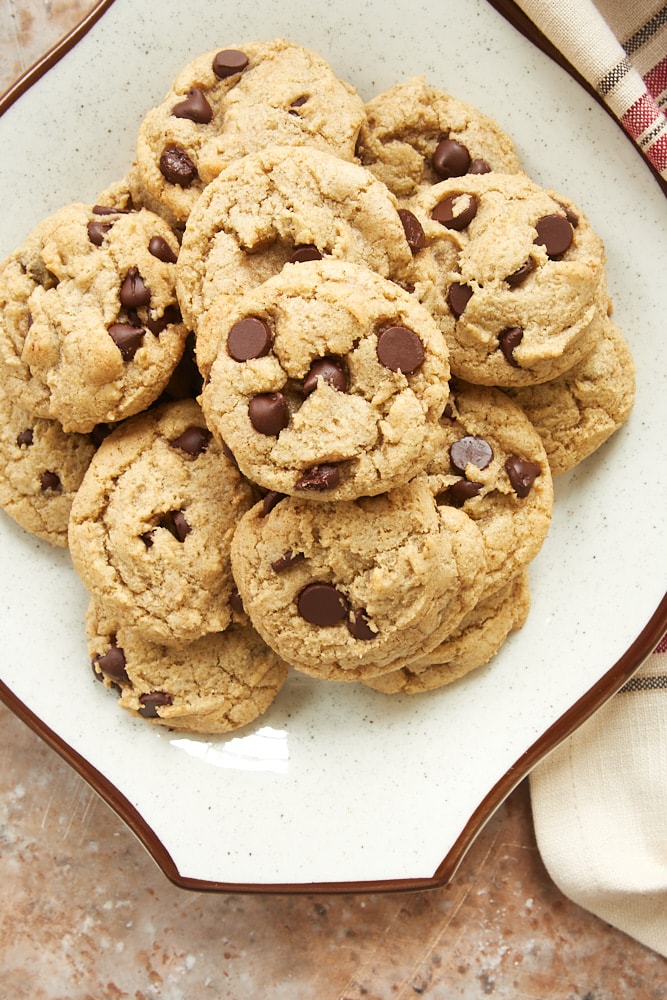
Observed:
{"x":620,"y":48}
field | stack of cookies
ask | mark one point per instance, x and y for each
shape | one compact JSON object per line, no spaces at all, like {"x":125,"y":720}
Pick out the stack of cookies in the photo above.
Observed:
{"x":294,"y":389}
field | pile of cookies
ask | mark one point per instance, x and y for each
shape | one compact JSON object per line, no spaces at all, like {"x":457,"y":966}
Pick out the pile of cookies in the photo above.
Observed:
{"x":293,"y":391}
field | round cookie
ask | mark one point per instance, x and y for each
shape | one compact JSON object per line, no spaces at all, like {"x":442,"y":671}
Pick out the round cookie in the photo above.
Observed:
{"x":41,"y":468}
{"x":90,"y":329}
{"x":274,"y":204}
{"x":416,"y":135}
{"x":344,"y":590}
{"x":234,"y":101}
{"x":473,"y":643}
{"x":526,"y":286}
{"x":329,"y":382}
{"x":215,"y":684}
{"x":576,"y":413}
{"x":491,"y":464}
{"x":151,"y":525}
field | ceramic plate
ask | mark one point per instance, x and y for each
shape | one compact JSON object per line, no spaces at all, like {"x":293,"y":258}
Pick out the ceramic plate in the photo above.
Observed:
{"x":338,"y":787}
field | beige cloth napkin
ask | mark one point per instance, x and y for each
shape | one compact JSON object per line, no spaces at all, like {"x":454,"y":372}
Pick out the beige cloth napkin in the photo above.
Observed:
{"x":620,"y":48}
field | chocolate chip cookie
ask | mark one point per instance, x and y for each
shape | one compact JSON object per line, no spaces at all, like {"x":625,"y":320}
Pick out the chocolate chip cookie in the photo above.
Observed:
{"x":579,"y":411}
{"x":527,"y":288}
{"x":283,"y":205}
{"x":90,"y":328}
{"x":232,"y":101}
{"x":491,"y":463}
{"x":416,"y":135}
{"x":215,"y":684}
{"x":151,"y":525}
{"x":41,"y":468}
{"x":344,"y":590}
{"x":329,"y":382}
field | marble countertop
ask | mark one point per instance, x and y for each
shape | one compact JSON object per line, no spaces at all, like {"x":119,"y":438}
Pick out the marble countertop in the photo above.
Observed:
{"x":85,"y":912}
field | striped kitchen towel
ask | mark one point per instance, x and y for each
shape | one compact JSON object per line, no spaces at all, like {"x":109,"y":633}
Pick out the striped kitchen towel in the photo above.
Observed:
{"x":618,"y":48}
{"x":600,"y":808}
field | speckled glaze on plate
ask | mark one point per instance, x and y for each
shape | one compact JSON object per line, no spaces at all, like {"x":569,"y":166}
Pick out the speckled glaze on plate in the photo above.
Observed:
{"x":338,"y":787}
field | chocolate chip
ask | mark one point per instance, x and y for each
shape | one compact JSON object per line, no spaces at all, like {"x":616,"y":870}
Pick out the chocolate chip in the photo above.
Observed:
{"x":174,"y":521}
{"x":304,"y":253}
{"x":127,"y":338}
{"x":470,"y":450}
{"x":400,"y":349}
{"x":194,"y":441}
{"x":159,"y":248}
{"x":329,"y":370}
{"x":319,"y":479}
{"x":177,"y":167}
{"x":153,"y":700}
{"x":194,"y":107}
{"x":112,"y":663}
{"x":321,"y":604}
{"x":298,"y":103}
{"x":522,"y":474}
{"x":50,"y":481}
{"x":286,"y":560}
{"x":269,"y":413}
{"x":358,"y":627}
{"x":172,"y":314}
{"x":249,"y":338}
{"x":554,"y":233}
{"x":521,"y":273}
{"x":456,"y":211}
{"x":458,"y":297}
{"x":25,"y":438}
{"x":97,"y":231}
{"x":414,"y":232}
{"x":271,"y":500}
{"x":450,"y":159}
{"x":148,"y":538}
{"x":457,"y":493}
{"x":479,"y":166}
{"x":228,"y":62}
{"x":508,"y":341}
{"x":134,"y":292}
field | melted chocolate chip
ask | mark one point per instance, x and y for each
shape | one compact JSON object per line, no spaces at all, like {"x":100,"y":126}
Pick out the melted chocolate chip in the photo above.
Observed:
{"x":286,"y":560}
{"x":521,"y":273}
{"x":319,"y":479}
{"x":457,"y":493}
{"x":358,"y":627}
{"x":25,"y":438}
{"x":450,"y":159}
{"x":508,"y":341}
{"x":249,"y":338}
{"x":414,"y":232}
{"x":194,"y":107}
{"x":329,"y":370}
{"x":470,"y":450}
{"x":174,"y":521}
{"x":400,"y":349}
{"x":97,"y":231}
{"x":303,"y":253}
{"x":134,"y":291}
{"x":269,"y":413}
{"x":522,"y":474}
{"x":112,"y":663}
{"x":50,"y":481}
{"x":177,"y":167}
{"x":456,"y":211}
{"x":153,"y":700}
{"x":321,"y":604}
{"x":271,"y":500}
{"x":159,"y":248}
{"x":458,"y":297}
{"x":127,"y":338}
{"x":194,"y":441}
{"x":479,"y":166}
{"x":554,"y":233}
{"x":228,"y":62}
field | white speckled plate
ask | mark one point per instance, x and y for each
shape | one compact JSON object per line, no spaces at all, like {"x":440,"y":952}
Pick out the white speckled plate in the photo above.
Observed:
{"x":338,"y":787}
